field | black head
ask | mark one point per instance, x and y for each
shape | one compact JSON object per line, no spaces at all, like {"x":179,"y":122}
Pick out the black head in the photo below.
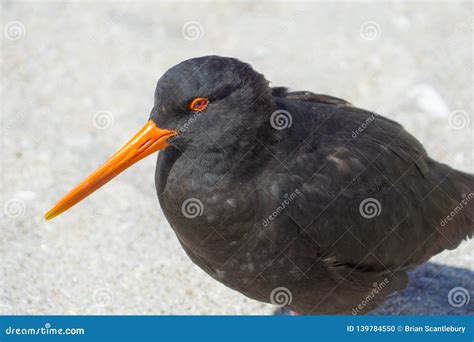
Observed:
{"x":239,"y":101}
{"x":233,"y":111}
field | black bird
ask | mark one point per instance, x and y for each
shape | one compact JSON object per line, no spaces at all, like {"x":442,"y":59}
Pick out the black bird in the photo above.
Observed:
{"x":292,"y":198}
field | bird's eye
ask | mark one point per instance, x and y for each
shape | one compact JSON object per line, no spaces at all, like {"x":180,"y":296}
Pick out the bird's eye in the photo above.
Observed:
{"x":199,"y":104}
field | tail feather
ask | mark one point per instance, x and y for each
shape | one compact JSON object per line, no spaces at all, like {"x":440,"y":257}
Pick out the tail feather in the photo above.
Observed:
{"x":456,"y":221}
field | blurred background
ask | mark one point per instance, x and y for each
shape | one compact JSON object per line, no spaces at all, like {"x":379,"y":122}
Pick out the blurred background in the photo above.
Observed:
{"x":77,"y":79}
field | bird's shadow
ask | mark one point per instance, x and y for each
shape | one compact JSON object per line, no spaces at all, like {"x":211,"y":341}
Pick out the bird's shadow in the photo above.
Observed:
{"x":434,"y":289}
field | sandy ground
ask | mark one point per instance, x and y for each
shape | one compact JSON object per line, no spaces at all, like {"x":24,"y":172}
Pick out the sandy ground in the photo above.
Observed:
{"x":78,"y":79}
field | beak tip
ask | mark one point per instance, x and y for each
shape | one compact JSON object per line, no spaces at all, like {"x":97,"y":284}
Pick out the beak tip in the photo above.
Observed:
{"x":49,"y":216}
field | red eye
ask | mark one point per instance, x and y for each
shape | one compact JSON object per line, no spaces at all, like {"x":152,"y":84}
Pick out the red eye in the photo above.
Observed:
{"x":199,"y":104}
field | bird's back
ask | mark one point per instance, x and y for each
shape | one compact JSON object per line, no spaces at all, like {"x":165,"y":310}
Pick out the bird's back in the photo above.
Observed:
{"x":369,"y":185}
{"x":367,"y":202}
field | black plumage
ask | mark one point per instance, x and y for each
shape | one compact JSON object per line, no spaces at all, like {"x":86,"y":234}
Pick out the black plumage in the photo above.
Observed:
{"x":293,"y":198}
{"x":312,"y":178}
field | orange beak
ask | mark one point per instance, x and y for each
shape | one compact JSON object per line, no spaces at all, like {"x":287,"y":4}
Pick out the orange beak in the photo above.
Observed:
{"x":148,"y":140}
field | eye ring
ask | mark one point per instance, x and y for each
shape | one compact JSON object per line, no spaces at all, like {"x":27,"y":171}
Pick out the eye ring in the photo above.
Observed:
{"x":199,"y":104}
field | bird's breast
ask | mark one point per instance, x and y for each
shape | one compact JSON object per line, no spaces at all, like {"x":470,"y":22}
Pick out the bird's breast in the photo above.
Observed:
{"x":206,"y":209}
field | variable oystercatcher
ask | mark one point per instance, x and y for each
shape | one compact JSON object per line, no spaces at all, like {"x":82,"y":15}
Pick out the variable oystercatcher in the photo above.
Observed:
{"x":293,"y":198}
